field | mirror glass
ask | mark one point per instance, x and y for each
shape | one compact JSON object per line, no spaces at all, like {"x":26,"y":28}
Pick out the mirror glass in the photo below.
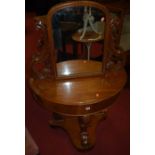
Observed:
{"x":78,"y":36}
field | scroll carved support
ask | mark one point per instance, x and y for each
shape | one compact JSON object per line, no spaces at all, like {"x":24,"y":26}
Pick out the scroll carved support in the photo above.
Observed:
{"x":81,"y":129}
{"x":117,"y":57}
{"x":40,"y":64}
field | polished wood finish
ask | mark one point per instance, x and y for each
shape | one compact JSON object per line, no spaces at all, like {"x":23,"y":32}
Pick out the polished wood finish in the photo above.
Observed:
{"x":82,"y":129}
{"x":79,"y":96}
{"x":77,"y":92}
{"x":72,"y":89}
{"x":81,"y":103}
{"x":74,"y":67}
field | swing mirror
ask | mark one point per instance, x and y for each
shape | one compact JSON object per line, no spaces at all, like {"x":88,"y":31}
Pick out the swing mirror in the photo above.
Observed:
{"x":78,"y":38}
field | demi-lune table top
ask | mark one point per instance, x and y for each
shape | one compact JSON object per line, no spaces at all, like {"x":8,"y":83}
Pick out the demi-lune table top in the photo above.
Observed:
{"x":79,"y":92}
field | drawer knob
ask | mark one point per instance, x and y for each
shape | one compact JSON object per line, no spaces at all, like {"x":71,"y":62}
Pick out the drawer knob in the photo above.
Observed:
{"x":87,"y":108}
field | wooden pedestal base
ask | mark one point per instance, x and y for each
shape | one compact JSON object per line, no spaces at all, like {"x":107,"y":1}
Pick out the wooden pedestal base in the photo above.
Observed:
{"x":81,"y":129}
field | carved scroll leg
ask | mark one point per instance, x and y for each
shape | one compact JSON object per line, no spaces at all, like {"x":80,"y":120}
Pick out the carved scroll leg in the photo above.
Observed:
{"x":81,"y":129}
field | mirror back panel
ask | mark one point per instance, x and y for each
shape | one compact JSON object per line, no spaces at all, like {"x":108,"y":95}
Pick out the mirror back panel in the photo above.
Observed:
{"x":78,"y":35}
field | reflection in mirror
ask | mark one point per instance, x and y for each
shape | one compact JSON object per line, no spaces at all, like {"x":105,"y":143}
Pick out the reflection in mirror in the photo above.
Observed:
{"x":78,"y":34}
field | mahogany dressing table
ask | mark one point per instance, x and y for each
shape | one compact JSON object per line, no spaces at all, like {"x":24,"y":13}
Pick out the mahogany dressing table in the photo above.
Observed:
{"x":78,"y":92}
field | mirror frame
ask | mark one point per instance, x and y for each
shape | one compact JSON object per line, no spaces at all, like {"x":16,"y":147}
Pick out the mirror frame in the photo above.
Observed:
{"x":107,"y":36}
